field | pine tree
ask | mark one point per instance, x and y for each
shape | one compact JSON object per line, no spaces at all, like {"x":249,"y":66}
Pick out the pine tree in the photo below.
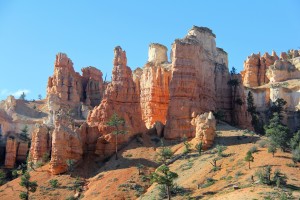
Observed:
{"x":71,"y":164}
{"x":164,"y":154}
{"x":295,"y":140}
{"x":251,"y":108}
{"x":234,"y":83}
{"x":187,"y":145}
{"x":277,"y":132}
{"x":2,"y":177}
{"x":30,"y":186}
{"x":24,"y":132}
{"x":277,"y":107}
{"x":199,"y":147}
{"x":249,"y":158}
{"x":22,"y":96}
{"x":272,"y":148}
{"x":118,"y":124}
{"x":140,"y":166}
{"x":164,"y":176}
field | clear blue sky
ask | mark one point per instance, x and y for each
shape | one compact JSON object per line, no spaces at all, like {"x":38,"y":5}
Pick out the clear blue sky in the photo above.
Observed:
{"x":32,"y":32}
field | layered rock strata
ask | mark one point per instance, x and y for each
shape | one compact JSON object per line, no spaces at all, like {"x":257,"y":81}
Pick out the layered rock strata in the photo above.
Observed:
{"x":66,"y":144}
{"x":16,"y":150}
{"x":154,"y":80}
{"x":67,"y":89}
{"x":121,"y":97}
{"x":283,"y":75}
{"x":40,"y":144}
{"x":192,"y":87}
{"x":167,"y":98}
{"x":255,"y":67}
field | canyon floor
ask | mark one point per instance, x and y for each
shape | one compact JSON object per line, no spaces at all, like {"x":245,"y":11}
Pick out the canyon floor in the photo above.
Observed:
{"x":120,"y":179}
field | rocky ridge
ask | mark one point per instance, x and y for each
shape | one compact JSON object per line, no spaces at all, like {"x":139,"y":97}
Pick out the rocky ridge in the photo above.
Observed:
{"x":171,"y":99}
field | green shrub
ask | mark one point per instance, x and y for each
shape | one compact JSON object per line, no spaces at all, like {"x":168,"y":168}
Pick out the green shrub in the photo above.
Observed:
{"x":220,"y":149}
{"x":264,"y":176}
{"x":262,"y":143}
{"x":175,"y":190}
{"x":253,"y":149}
{"x":46,"y":157}
{"x":238,"y":174}
{"x":296,"y":155}
{"x":38,"y":164}
{"x":2,"y":177}
{"x":54,"y":183}
{"x":209,"y":182}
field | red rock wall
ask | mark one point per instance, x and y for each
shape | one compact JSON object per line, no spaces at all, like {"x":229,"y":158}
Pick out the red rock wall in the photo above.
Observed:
{"x":11,"y":153}
{"x":154,"y":97}
{"x":40,"y":143}
{"x":255,"y":68}
{"x":192,"y":87}
{"x":66,"y":144}
{"x":121,"y":97}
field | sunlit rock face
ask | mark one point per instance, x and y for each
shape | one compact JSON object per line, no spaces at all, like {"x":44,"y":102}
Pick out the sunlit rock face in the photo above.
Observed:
{"x":276,"y":78}
{"x":40,"y":144}
{"x":66,"y":143}
{"x":121,"y":97}
{"x":192,"y":86}
{"x":255,"y":68}
{"x":154,"y":82}
{"x":157,"y":53}
{"x":68,"y":89}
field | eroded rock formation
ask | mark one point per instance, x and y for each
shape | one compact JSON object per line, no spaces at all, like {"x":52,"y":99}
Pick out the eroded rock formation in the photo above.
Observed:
{"x":192,"y":87}
{"x":11,"y":153}
{"x":154,"y":85}
{"x":255,"y":67}
{"x":67,"y":89}
{"x":283,"y":82}
{"x":66,"y":143}
{"x":204,"y":126}
{"x":40,"y":144}
{"x":172,"y":99}
{"x":16,"y":150}
{"x":121,"y":97}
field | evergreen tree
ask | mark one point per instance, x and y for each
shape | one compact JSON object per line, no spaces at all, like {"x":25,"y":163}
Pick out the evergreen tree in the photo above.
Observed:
{"x":249,"y":158}
{"x":2,"y":177}
{"x":295,"y":146}
{"x":140,"y":166}
{"x":277,"y":107}
{"x":187,"y":145}
{"x":164,"y":176}
{"x":272,"y":148}
{"x":71,"y":164}
{"x":277,"y":132}
{"x":251,"y":108}
{"x":118,"y":124}
{"x":234,"y":83}
{"x":30,"y":186}
{"x":199,"y":147}
{"x":24,"y":132}
{"x":164,"y":154}
{"x":233,"y":71}
{"x":22,"y":96}
{"x":295,"y":141}
{"x":296,"y":155}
